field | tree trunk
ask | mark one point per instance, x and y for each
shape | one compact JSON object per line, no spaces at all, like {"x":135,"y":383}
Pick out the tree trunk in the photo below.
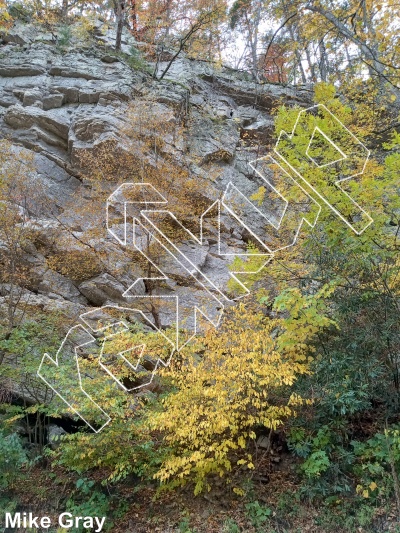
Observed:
{"x":369,"y":53}
{"x":254,"y":42}
{"x":120,"y":23}
{"x":133,"y":18}
{"x":298,"y":57}
{"x":311,"y":65}
{"x":64,"y":9}
{"x":323,"y":63}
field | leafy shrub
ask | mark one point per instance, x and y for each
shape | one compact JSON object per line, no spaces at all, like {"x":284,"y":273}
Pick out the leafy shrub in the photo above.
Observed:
{"x":64,"y":36}
{"x":230,"y":526}
{"x":12,"y":458}
{"x":21,"y":11}
{"x":96,"y":505}
{"x":378,"y":464}
{"x":241,"y":381}
{"x":258,"y":514}
{"x":79,"y":265}
{"x":325,"y":464}
{"x":135,"y":59}
{"x":83,"y":29}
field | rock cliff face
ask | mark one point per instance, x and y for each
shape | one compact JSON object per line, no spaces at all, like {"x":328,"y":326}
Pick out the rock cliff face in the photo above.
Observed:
{"x":55,"y":104}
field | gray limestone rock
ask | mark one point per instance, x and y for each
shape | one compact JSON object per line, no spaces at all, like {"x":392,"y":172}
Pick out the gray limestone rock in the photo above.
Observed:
{"x":213,"y":140}
{"x":52,"y":101}
{"x":20,"y":33}
{"x":103,"y":288}
{"x":54,"y":283}
{"x":54,"y":434}
{"x":57,"y":105}
{"x":32,"y":96}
